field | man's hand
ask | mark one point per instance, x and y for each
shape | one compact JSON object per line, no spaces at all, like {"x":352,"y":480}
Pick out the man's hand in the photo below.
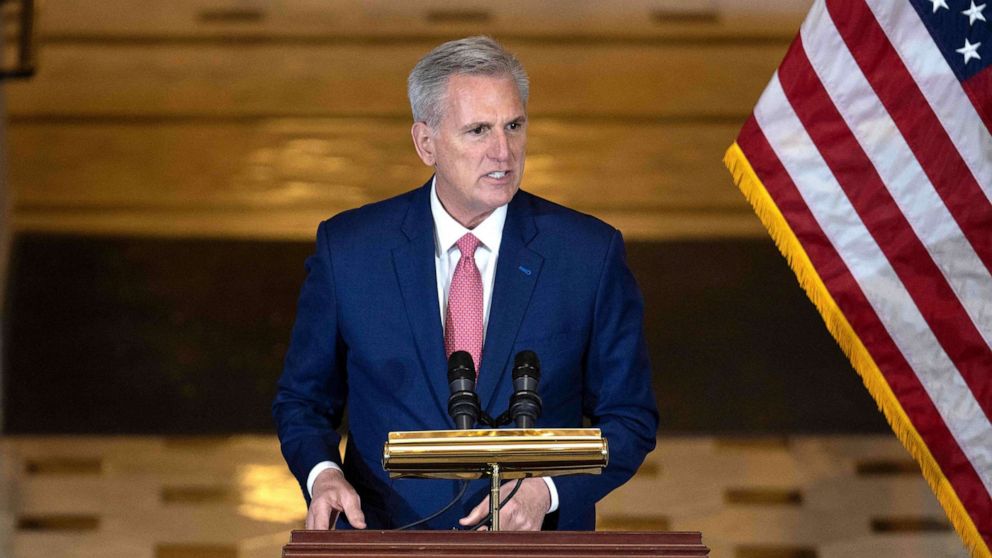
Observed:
{"x":524,"y":512}
{"x":332,"y":494}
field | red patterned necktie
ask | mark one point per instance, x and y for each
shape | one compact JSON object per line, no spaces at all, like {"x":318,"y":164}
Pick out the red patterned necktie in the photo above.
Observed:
{"x":463,"y":318}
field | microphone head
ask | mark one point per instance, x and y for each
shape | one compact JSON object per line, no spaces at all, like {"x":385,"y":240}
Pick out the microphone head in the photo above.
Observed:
{"x":460,"y":365}
{"x":526,"y":364}
{"x":463,"y":403}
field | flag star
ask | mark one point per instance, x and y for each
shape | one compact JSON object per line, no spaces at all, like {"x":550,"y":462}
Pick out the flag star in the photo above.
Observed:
{"x":937,"y":4}
{"x":969,"y":51}
{"x":974,"y":13}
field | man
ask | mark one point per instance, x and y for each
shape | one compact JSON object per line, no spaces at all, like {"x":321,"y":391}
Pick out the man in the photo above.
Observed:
{"x":465,"y":262}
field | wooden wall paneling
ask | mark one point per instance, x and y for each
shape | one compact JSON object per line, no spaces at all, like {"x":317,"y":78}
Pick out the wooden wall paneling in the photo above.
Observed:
{"x":663,"y":178}
{"x":384,"y":18}
{"x":692,"y":81}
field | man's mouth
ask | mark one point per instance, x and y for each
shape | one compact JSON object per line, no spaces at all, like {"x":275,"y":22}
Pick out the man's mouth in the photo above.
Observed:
{"x":497,"y":174}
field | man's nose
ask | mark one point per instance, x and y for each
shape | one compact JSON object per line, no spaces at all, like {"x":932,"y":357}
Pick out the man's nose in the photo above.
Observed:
{"x":499,"y":149}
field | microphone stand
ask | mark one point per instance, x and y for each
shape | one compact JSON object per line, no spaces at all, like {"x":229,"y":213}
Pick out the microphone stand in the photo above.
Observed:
{"x":494,"y":484}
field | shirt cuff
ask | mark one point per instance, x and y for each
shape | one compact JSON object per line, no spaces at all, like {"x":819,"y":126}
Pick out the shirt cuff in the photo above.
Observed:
{"x":325,"y":465}
{"x":554,"y":494}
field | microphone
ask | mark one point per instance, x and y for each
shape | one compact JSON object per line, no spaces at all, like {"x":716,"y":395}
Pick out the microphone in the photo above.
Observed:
{"x":463,"y":403}
{"x":525,"y":403}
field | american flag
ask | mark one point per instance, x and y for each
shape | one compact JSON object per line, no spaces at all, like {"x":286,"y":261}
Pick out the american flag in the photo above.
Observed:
{"x":869,"y":160}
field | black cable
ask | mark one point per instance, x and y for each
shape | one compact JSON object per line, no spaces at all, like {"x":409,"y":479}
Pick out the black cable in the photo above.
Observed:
{"x":487,"y":420}
{"x":502,"y":503}
{"x":461,"y":492}
{"x":491,"y":422}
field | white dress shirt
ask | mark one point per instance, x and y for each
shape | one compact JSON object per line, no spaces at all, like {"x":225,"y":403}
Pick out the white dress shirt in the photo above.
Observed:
{"x":447,"y":231}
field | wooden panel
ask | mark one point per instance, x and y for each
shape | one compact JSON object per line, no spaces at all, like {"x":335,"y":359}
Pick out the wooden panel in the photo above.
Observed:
{"x":887,"y":467}
{"x":909,"y":524}
{"x":772,"y":443}
{"x":295,"y":162}
{"x":388,"y":18}
{"x":166,"y":550}
{"x":455,"y":544}
{"x":56,"y":522}
{"x":762,"y":497}
{"x":197,"y":495}
{"x":64,"y":466}
{"x":280,"y":177}
{"x":722,"y":79}
{"x":201,"y":118}
{"x":775,"y":552}
{"x":628,"y":522}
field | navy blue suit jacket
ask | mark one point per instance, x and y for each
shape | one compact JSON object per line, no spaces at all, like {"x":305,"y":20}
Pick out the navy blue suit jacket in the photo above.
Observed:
{"x":368,"y":334}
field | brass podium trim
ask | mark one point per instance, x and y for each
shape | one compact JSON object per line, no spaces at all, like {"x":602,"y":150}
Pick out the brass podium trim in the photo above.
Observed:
{"x":470,"y":454}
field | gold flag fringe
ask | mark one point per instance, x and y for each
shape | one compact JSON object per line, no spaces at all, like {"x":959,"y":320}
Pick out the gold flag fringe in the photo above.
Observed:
{"x":773,"y":220}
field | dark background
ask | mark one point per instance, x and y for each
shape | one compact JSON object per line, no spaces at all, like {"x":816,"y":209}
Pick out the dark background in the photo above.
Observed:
{"x":116,"y":335}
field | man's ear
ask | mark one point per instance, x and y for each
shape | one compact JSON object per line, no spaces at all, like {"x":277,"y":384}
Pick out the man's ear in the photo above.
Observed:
{"x":423,"y":141}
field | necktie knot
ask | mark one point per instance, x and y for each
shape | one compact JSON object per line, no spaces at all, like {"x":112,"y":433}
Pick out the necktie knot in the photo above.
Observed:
{"x":467,"y":245}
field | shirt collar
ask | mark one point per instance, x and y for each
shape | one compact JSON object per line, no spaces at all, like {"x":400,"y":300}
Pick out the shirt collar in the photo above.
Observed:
{"x":447,"y":230}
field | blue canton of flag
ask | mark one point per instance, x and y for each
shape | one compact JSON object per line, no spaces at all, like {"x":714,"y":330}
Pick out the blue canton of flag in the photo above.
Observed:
{"x":962,"y":31}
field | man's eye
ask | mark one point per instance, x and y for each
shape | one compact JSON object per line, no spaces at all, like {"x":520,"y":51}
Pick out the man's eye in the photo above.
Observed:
{"x":477,"y":130}
{"x":514,"y":125}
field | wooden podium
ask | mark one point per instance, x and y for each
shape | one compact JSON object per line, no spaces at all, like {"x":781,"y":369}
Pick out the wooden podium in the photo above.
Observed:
{"x":491,"y":544}
{"x":507,"y":454}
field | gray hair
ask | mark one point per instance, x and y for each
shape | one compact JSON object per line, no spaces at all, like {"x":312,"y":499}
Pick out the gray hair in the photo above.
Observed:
{"x":478,"y":55}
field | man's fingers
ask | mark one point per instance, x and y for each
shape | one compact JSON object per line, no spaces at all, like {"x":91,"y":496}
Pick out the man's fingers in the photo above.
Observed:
{"x":322,"y":519}
{"x":477,"y":513}
{"x":333,"y":495}
{"x":515,"y":518}
{"x":509,"y":516}
{"x":317,"y":516}
{"x":353,"y":510}
{"x":527,"y":509}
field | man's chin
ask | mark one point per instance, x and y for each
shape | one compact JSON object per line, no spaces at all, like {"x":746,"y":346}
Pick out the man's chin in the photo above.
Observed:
{"x":499,"y":201}
{"x":500,"y":195}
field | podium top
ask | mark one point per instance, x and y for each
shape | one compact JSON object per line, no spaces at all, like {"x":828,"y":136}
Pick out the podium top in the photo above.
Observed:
{"x":467,"y":454}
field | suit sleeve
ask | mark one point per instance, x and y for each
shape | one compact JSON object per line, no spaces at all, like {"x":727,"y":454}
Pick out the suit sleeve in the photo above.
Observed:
{"x":312,"y":391}
{"x":617,"y":393}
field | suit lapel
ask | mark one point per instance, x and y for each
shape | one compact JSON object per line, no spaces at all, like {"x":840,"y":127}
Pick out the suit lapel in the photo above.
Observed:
{"x":517,"y":269}
{"x":414,"y":263}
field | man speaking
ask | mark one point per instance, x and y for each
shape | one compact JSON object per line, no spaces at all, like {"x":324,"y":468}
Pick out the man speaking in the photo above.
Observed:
{"x":467,"y":262}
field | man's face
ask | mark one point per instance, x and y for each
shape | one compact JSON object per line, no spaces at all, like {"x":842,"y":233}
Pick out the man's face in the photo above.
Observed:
{"x":478,"y":147}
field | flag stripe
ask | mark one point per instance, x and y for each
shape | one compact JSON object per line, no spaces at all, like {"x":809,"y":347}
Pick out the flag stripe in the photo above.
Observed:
{"x":923,"y":132}
{"x":866,"y":262}
{"x":979,"y":89}
{"x":935,"y":80}
{"x":852,"y":303}
{"x":962,"y":319}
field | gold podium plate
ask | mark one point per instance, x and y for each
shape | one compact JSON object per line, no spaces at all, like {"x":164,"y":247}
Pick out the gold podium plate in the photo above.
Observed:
{"x":469,"y":454}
